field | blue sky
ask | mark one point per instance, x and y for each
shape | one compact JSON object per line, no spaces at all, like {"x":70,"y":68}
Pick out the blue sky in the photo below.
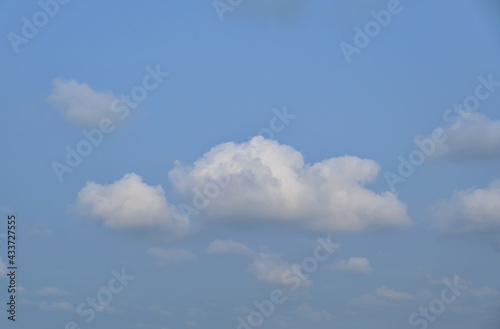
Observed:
{"x":254,"y":163}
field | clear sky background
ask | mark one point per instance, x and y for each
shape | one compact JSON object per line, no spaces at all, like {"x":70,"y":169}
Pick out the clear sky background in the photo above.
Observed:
{"x":208,"y":218}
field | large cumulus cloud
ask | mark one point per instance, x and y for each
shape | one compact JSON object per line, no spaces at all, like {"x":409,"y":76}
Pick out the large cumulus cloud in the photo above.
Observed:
{"x":264,"y":181}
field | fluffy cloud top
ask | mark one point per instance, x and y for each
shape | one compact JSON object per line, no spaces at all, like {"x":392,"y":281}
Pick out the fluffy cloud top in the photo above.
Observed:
{"x":228,"y":247}
{"x":261,"y":180}
{"x":172,"y":255}
{"x":472,"y":210}
{"x":473,"y":137}
{"x":356,"y":265}
{"x":129,"y":203}
{"x":80,"y":104}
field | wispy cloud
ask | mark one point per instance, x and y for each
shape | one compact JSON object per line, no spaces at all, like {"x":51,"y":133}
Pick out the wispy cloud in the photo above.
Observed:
{"x":228,"y":247}
{"x":382,"y":297}
{"x":50,"y":291}
{"x":356,"y":265}
{"x":271,"y":268}
{"x":57,"y":307}
{"x":470,"y":210}
{"x":474,"y":137}
{"x":81,"y":104}
{"x":172,"y":255}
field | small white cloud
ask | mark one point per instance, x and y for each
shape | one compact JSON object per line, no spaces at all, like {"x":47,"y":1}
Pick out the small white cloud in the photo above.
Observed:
{"x":57,"y":307}
{"x":472,"y":210}
{"x":357,"y":265}
{"x":82,"y":105}
{"x":172,"y":255}
{"x":50,"y":291}
{"x":228,"y":247}
{"x":307,"y":312}
{"x":271,"y":268}
{"x":474,"y":137}
{"x":129,"y":203}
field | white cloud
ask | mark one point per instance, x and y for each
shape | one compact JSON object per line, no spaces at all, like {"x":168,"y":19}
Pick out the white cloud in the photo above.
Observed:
{"x":475,"y":137}
{"x":172,"y":255}
{"x":471,"y":210}
{"x":228,"y":247}
{"x":307,"y":312}
{"x":271,"y":268}
{"x":50,"y":291}
{"x":356,"y":265}
{"x":259,"y":181}
{"x":129,"y":203}
{"x":382,"y":297}
{"x":263,"y":181}
{"x":82,"y":105}
{"x":470,"y":300}
{"x":57,"y":307}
